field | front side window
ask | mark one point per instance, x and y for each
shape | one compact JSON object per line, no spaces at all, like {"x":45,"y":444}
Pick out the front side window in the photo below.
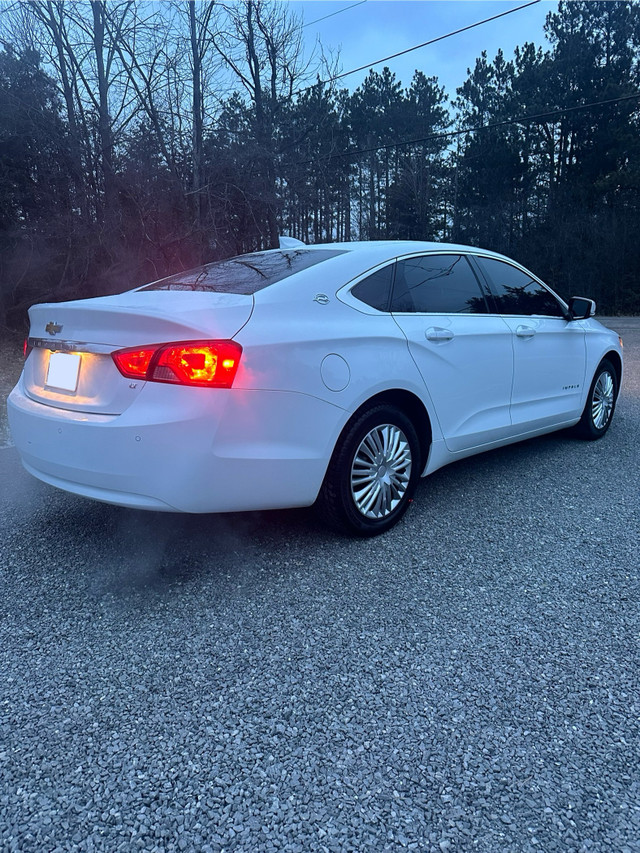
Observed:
{"x":516,"y":292}
{"x":437,"y":284}
{"x":245,"y":274}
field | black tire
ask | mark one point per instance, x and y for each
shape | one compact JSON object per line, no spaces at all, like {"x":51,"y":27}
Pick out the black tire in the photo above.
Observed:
{"x":601,"y":403}
{"x":373,"y":472}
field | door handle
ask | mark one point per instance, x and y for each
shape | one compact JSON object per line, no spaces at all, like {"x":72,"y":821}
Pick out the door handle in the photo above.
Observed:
{"x":525,"y":332}
{"x":436,"y":334}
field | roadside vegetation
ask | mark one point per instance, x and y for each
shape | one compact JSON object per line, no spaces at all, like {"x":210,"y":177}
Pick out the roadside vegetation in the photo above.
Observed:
{"x":138,"y":139}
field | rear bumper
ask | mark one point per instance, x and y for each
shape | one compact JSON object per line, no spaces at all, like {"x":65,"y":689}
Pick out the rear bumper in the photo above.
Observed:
{"x":183,"y":449}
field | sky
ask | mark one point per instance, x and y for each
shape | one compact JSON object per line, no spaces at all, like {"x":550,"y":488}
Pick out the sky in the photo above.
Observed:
{"x":367,"y":31}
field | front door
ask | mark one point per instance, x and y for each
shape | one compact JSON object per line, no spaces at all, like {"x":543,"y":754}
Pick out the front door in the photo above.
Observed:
{"x":549,"y":352}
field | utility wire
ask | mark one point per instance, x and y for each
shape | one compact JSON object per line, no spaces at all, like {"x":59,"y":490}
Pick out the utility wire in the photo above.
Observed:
{"x":401,"y":52}
{"x":453,"y":133}
{"x":346,"y":9}
{"x":418,"y":46}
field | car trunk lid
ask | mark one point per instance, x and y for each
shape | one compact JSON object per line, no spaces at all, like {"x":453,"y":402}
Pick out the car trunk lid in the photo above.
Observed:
{"x":70,"y":366}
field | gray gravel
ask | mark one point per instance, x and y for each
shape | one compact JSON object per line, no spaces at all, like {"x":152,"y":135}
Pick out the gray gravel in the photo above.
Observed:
{"x":469,"y":681}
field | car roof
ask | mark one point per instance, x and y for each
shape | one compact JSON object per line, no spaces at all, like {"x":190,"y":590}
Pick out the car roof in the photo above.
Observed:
{"x":353,"y":260}
{"x":394,"y":248}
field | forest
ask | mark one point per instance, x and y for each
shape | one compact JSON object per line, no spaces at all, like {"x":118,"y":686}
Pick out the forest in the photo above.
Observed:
{"x":138,"y":139}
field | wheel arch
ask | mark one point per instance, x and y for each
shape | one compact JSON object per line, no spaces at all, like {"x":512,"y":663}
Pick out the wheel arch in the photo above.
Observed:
{"x":413,"y":408}
{"x":614,"y":357}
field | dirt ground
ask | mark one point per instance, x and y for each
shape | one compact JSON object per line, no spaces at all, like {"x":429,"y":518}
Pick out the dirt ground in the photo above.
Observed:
{"x":10,"y":367}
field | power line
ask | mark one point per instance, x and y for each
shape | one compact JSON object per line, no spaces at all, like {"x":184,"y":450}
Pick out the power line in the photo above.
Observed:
{"x":418,"y":46}
{"x":453,"y":133}
{"x":401,"y":52}
{"x":346,"y":9}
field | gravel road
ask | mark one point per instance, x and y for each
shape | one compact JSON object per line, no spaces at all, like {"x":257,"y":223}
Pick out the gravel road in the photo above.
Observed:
{"x":469,"y":681}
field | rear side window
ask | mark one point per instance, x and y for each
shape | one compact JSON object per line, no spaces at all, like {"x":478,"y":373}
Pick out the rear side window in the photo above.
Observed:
{"x":518,"y":293}
{"x":375,"y":289}
{"x":245,"y":274}
{"x":437,"y":284}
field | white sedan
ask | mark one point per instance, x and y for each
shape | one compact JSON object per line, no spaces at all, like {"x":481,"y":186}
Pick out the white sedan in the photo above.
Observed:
{"x":334,"y":374}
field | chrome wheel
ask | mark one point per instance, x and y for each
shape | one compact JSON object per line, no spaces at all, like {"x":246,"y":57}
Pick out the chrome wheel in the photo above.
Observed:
{"x":381,"y":471}
{"x":373,"y":472}
{"x":602,"y":400}
{"x":601,"y":403}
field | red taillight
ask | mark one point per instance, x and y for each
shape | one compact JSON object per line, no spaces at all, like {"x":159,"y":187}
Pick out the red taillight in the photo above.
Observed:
{"x":133,"y":363}
{"x":205,"y":364}
{"x":26,"y":349}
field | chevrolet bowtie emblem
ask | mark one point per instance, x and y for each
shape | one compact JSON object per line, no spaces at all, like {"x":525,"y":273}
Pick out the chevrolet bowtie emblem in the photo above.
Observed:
{"x":53,"y":328}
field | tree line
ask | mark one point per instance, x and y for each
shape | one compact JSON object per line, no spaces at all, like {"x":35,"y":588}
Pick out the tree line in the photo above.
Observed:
{"x":138,"y":139}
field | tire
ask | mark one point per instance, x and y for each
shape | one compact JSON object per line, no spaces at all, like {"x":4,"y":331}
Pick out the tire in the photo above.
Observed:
{"x":601,"y":403}
{"x":373,"y":472}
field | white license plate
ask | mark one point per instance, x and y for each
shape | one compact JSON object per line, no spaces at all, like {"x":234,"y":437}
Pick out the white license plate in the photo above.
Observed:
{"x":63,"y":371}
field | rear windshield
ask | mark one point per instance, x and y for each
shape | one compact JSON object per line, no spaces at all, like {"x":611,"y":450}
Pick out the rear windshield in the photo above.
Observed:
{"x":245,"y":274}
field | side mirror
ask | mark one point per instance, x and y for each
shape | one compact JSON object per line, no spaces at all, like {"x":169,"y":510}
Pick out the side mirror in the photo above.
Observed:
{"x":581,"y":308}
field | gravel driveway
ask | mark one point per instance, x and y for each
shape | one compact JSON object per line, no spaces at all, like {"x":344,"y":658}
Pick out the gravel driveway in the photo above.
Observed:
{"x":469,"y":681}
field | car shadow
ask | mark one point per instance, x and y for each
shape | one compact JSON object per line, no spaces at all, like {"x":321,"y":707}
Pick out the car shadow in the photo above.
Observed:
{"x":122,"y":552}
{"x":118,"y":551}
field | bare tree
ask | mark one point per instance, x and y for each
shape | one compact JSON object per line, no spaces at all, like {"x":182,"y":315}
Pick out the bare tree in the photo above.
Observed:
{"x":96,"y":94}
{"x":260,"y":44}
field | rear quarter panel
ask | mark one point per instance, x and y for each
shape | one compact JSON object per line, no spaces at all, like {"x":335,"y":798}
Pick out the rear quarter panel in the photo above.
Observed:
{"x":285,"y":348}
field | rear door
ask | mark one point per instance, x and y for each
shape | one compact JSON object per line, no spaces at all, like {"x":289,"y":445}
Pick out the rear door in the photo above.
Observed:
{"x":549,"y":352}
{"x":463,"y":352}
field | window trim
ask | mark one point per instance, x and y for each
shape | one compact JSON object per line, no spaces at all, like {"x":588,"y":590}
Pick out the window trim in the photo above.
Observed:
{"x":485,"y":292}
{"x":494,"y":295}
{"x":485,"y":285}
{"x":345,"y":295}
{"x":392,"y":265}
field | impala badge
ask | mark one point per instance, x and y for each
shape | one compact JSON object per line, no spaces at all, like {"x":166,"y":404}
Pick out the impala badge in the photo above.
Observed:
{"x":321,"y":299}
{"x":53,"y":328}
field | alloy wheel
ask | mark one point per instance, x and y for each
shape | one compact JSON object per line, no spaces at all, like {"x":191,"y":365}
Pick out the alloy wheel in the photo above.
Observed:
{"x":603,"y":400}
{"x":381,"y":471}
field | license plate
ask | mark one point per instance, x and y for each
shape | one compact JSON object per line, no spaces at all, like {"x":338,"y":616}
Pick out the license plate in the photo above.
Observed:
{"x":63,"y":371}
